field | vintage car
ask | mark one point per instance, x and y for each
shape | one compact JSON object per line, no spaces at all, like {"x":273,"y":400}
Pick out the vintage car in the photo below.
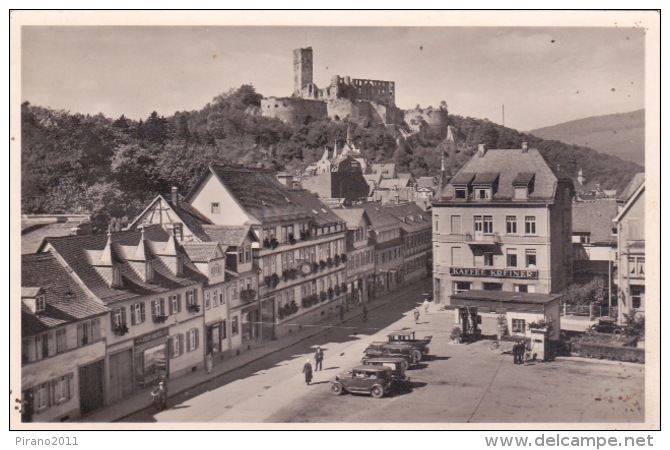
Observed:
{"x":410,"y":355}
{"x":397,"y":366}
{"x":408,"y":337}
{"x":371,"y":380}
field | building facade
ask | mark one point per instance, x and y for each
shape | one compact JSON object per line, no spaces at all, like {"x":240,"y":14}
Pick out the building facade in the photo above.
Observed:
{"x":417,"y":240}
{"x":503,"y":223}
{"x":630,"y":224}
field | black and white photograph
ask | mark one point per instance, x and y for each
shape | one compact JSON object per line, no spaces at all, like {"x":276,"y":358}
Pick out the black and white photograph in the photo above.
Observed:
{"x":321,"y":220}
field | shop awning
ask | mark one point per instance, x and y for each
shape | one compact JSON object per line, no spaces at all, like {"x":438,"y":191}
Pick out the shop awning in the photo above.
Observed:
{"x":504,"y":300}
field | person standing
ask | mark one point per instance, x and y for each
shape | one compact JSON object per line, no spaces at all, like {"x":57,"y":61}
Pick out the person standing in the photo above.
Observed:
{"x":515,"y":352}
{"x":318,"y":358}
{"x":426,"y":305}
{"x":416,"y":315}
{"x":307,"y":370}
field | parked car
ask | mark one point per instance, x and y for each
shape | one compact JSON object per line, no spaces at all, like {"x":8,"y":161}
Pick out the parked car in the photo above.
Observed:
{"x":371,"y":380}
{"x":408,"y":337}
{"x":411,"y":355}
{"x":397,"y":366}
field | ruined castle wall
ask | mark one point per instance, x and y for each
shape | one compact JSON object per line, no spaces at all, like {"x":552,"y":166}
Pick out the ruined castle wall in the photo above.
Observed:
{"x":434,"y":118}
{"x":382,"y":92}
{"x":293,"y":110}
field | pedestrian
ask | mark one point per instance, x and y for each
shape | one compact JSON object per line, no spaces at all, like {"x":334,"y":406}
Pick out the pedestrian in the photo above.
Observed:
{"x":159,"y":395}
{"x":307,"y":370}
{"x":365,"y":313}
{"x":318,"y":357}
{"x":426,"y":305}
{"x":515,"y":352}
{"x":209,"y":362}
{"x":416,"y":315}
{"x":522,"y":351}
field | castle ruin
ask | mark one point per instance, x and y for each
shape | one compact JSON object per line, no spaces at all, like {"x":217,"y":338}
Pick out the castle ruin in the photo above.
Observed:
{"x":366,"y":102}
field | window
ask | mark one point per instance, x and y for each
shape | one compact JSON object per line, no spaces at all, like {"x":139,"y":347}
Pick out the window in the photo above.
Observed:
{"x":437,"y":223}
{"x":511,"y":257}
{"x":149,"y":270}
{"x":61,"y":340}
{"x":520,"y":192}
{"x":192,"y":297}
{"x":636,"y":266}
{"x":208,"y":300}
{"x":192,"y":339}
{"x":119,"y":316}
{"x":488,"y":259}
{"x":462,"y":286}
{"x":216,"y":209}
{"x":137,"y":313}
{"x":483,"y":193}
{"x":177,"y":345}
{"x":40,"y":303}
{"x":637,"y":297}
{"x":518,"y":326}
{"x":585,"y":239}
{"x":455,"y":224}
{"x":520,"y":288}
{"x":54,"y":392}
{"x":492,"y":286}
{"x":180,"y":264}
{"x":158,"y":307}
{"x":461,"y":193}
{"x":530,"y":225}
{"x":479,"y":225}
{"x":89,"y":331}
{"x":247,"y":253}
{"x":42,"y":397}
{"x":488,"y":224}
{"x":511,"y":224}
{"x":61,"y":389}
{"x":531,"y":258}
{"x":235,"y":327}
{"x":175,"y":303}
{"x":224,"y":329}
{"x":215,"y":271}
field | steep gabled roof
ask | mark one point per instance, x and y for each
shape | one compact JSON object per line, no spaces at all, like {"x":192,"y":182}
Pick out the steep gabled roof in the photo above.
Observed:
{"x":260,"y":193}
{"x":229,"y":236}
{"x":81,"y":253}
{"x":202,"y":251}
{"x":379,"y":216}
{"x":66,"y":301}
{"x":508,"y":164}
{"x":595,"y":218}
{"x":323,"y":215}
{"x":352,"y":217}
{"x":190,"y":217}
{"x":35,"y":229}
{"x":411,"y":216}
{"x":630,"y":189}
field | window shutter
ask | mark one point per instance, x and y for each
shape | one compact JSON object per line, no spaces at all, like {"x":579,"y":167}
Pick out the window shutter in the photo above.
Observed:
{"x":142,"y":313}
{"x":162,"y":306}
{"x":178,"y":302}
{"x":52,"y":344}
{"x":195,"y":296}
{"x":133,"y":319}
{"x":171,"y":347}
{"x":153,"y":307}
{"x":123,"y":315}
{"x":70,"y":385}
{"x":197,"y":338}
{"x":181,"y":343}
{"x":52,"y":392}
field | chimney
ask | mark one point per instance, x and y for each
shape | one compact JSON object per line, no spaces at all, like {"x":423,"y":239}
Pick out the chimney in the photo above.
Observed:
{"x":482,"y":150}
{"x":524,"y":147}
{"x":175,"y":196}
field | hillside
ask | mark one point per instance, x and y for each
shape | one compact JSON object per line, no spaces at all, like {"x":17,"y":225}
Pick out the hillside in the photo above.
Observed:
{"x":619,"y":135}
{"x":72,"y":163}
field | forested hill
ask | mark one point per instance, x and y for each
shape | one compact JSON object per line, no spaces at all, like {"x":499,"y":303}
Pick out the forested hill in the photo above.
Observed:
{"x":111,"y":167}
{"x":620,"y":135}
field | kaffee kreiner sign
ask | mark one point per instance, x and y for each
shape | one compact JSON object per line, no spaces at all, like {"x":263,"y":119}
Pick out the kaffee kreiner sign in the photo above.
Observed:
{"x":494,"y":273}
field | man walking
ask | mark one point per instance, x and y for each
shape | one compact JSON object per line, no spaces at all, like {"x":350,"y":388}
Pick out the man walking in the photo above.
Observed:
{"x":318,"y":357}
{"x":426,"y":305}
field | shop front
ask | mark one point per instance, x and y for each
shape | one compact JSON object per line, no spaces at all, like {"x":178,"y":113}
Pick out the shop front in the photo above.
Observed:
{"x":151,"y":357}
{"x":215,"y":336}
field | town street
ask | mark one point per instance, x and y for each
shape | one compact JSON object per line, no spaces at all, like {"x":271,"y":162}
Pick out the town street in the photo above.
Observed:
{"x":461,"y":383}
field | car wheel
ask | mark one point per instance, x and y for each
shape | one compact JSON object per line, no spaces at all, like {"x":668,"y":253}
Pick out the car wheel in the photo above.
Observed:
{"x":405,"y":364}
{"x":336,"y":388}
{"x":416,"y":356}
{"x":377,"y":392}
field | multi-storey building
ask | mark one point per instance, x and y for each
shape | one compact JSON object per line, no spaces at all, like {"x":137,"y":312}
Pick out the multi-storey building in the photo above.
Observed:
{"x":154,"y":293}
{"x":630,"y":226}
{"x":302,"y":243}
{"x":386,"y":232}
{"x":360,"y":255}
{"x":417,"y":240}
{"x":62,"y":346}
{"x":503,"y":223}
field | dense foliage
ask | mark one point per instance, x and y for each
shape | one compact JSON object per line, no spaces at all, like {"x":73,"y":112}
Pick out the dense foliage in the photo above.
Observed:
{"x":111,"y":168}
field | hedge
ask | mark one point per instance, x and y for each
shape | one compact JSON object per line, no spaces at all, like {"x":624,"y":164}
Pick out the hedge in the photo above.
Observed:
{"x":612,"y":352}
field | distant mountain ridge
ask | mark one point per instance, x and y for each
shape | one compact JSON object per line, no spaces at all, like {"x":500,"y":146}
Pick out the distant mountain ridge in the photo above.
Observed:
{"x":619,"y":135}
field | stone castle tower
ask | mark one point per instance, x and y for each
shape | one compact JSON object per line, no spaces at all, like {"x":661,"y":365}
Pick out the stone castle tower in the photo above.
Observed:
{"x":303,"y":63}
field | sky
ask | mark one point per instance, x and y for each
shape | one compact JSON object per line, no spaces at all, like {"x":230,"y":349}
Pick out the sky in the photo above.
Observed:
{"x":542,"y":76}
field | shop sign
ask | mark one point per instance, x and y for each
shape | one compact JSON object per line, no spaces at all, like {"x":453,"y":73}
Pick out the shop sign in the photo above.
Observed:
{"x":151,"y":336}
{"x":494,"y":273}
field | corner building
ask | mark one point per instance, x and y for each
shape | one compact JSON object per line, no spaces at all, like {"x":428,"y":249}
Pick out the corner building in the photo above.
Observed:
{"x":502,"y":224}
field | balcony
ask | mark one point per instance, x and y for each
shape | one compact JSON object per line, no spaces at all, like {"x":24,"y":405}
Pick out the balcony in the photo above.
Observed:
{"x":482,"y":239}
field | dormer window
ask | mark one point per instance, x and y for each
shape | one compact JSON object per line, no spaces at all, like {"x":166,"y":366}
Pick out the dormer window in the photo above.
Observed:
{"x":483,"y":193}
{"x":116,"y":277}
{"x":149,"y":270}
{"x":461,"y":192}
{"x":180,"y":264}
{"x":523,"y":185}
{"x":40,"y":303}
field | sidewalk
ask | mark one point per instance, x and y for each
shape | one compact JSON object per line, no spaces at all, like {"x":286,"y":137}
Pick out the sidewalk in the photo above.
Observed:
{"x":142,"y":399}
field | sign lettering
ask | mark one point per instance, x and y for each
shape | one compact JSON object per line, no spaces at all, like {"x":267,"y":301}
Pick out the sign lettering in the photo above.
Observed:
{"x":527,"y":274}
{"x":151,"y":336}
